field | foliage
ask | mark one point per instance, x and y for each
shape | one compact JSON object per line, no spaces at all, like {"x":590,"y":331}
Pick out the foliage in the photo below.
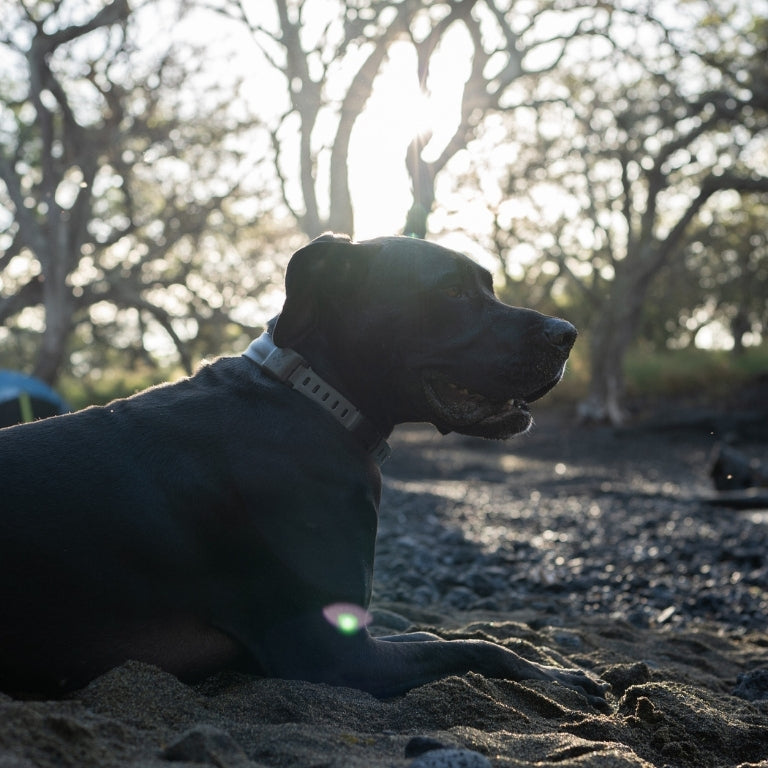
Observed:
{"x":611,"y":155}
{"x":626,"y":159}
{"x":699,"y":376}
{"x":705,"y":374}
{"x":720,"y":283}
{"x":125,"y":194}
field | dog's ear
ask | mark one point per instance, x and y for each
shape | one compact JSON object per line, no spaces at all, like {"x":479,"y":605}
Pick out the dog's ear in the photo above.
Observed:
{"x":317,"y":272}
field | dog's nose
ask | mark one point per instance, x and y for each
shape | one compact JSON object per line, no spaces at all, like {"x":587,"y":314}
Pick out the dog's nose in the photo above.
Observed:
{"x":560,"y":334}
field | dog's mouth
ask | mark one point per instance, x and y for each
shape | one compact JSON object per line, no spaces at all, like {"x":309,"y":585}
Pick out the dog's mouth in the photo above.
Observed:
{"x":457,"y":408}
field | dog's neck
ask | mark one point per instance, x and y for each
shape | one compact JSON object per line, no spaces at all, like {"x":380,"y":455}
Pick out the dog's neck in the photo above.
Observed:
{"x":289,"y":367}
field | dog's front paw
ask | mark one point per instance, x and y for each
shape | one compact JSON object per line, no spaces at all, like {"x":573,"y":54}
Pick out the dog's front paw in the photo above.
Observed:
{"x":592,"y":688}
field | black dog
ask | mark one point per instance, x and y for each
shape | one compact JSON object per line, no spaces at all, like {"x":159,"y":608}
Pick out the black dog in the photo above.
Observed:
{"x":230,"y":518}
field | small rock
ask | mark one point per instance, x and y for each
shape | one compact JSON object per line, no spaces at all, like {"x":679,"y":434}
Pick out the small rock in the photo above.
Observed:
{"x":15,"y":761}
{"x":638,"y":617}
{"x":647,"y":711}
{"x":451,"y":758}
{"x":452,"y":537}
{"x":418,"y":745}
{"x":424,"y":595}
{"x":752,"y":685}
{"x":568,"y":639}
{"x":206,"y":744}
{"x":460,"y":597}
{"x":482,"y":584}
{"x":487,"y":604}
{"x":424,"y":561}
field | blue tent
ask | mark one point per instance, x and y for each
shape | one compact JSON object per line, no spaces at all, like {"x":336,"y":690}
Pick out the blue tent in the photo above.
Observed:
{"x":25,"y":398}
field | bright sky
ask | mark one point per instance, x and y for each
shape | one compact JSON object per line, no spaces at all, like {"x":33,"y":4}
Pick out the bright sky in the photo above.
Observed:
{"x":396,"y":111}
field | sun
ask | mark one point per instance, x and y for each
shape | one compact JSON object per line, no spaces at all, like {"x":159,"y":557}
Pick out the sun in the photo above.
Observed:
{"x":398,"y":111}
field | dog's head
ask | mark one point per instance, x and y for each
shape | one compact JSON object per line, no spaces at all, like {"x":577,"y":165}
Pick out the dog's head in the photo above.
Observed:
{"x":412,"y":331}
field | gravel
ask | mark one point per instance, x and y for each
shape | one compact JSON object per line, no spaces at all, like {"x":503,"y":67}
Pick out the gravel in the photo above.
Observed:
{"x":567,"y":521}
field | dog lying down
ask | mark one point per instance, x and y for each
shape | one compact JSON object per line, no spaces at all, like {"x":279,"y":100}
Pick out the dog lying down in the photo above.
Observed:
{"x":229,"y":519}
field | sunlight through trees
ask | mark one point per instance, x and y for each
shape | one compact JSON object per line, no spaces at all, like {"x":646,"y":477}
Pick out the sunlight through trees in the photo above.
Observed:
{"x":611,"y":157}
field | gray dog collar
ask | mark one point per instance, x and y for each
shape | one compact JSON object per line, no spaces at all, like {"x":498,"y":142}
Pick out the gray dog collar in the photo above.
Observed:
{"x":292,"y":369}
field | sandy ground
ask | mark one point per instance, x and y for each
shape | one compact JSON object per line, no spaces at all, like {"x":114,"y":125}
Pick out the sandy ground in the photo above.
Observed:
{"x":570,"y":546}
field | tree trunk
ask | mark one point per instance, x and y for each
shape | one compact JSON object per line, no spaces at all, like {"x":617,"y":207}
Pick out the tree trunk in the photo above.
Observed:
{"x":604,"y":401}
{"x":739,"y":326}
{"x":423,"y":185}
{"x":612,"y":334}
{"x":58,"y":325}
{"x":58,"y":302}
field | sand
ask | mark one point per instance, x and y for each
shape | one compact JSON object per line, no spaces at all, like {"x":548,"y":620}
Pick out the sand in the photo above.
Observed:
{"x":674,"y":661}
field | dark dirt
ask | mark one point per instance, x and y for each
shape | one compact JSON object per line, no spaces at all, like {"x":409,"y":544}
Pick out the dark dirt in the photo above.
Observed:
{"x":573,"y":546}
{"x":574,"y":521}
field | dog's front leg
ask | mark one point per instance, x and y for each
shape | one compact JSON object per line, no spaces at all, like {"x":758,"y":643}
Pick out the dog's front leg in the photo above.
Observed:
{"x":401,"y":662}
{"x":389,"y":666}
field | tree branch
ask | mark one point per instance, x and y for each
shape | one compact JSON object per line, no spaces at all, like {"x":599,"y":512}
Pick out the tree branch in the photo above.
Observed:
{"x":28,"y":225}
{"x":711,"y":185}
{"x":29,"y":295}
{"x":115,"y":11}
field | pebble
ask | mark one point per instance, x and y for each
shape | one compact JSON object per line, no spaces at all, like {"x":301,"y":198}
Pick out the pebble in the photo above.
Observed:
{"x":460,"y":597}
{"x":752,"y":685}
{"x":568,"y":640}
{"x":418,"y":745}
{"x":451,"y":758}
{"x":207,"y":744}
{"x":659,"y":562}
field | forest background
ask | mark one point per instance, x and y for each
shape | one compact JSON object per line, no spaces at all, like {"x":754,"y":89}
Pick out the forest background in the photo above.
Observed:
{"x":161,"y":159}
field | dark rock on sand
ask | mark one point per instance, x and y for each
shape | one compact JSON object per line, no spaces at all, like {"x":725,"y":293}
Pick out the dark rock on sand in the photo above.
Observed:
{"x":208,"y":745}
{"x":451,"y":758}
{"x":418,"y":745}
{"x":753,"y":685}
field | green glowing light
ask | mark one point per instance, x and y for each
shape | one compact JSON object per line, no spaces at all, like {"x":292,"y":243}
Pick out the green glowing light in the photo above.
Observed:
{"x":347,"y":623}
{"x":346,"y":618}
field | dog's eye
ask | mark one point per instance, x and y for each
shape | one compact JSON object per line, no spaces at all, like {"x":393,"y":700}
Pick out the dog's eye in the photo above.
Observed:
{"x":454,"y":292}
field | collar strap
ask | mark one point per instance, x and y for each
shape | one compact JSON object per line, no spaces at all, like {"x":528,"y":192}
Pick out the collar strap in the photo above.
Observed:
{"x":291,"y":368}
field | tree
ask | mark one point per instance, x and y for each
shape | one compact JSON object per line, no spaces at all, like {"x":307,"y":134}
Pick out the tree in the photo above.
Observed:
{"x":622,"y":153}
{"x":639,"y":120}
{"x":328,"y":66}
{"x":691,"y":147}
{"x":115,"y":181}
{"x":109,"y":120}
{"x":56,"y":149}
{"x":506,"y":46}
{"x":721,"y":282}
